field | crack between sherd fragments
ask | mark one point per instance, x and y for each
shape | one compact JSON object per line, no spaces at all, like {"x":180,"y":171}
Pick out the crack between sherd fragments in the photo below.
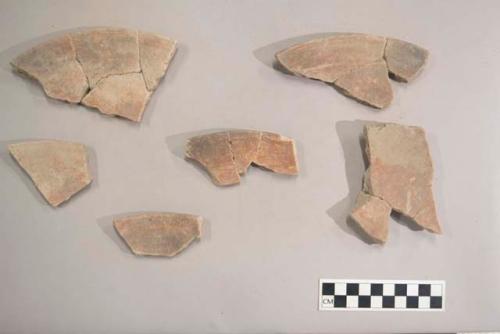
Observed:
{"x":229,"y":143}
{"x":81,"y":67}
{"x":140,"y":63}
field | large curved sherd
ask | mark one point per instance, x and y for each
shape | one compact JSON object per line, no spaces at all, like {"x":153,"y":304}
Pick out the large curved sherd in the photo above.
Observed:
{"x":112,"y":69}
{"x":159,"y":234}
{"x":400,"y":173}
{"x":55,"y":66}
{"x":58,"y":169}
{"x":357,"y":64}
{"x":226,"y":155}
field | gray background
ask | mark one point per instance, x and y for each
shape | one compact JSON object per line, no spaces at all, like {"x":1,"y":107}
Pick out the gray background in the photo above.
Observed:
{"x":267,"y":241}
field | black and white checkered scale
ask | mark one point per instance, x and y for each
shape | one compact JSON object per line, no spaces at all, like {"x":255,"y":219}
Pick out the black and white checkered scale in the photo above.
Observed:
{"x":395,"y":295}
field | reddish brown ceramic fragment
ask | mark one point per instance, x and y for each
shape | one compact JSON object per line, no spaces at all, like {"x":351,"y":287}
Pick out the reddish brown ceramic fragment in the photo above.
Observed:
{"x":357,"y":64}
{"x":372,"y":216}
{"x":58,"y":169}
{"x":404,"y":60}
{"x":277,"y":153}
{"x":53,"y":64}
{"x":400,"y":173}
{"x":159,"y":234}
{"x":329,"y":58}
{"x":226,"y":155}
{"x":112,"y":69}
{"x":368,"y":84}
{"x":213,"y":152}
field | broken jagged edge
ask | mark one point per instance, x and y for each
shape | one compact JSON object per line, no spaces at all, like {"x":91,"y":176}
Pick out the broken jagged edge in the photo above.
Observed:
{"x":59,"y":169}
{"x":114,"y":70}
{"x":359,"y":65}
{"x":398,"y":178}
{"x":159,"y":234}
{"x":226,"y":155}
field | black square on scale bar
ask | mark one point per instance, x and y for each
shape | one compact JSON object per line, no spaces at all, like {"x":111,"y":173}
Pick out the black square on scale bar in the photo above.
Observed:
{"x":400,"y":289}
{"x":377,"y":289}
{"x":424,"y":289}
{"x":364,"y":301}
{"x":352,"y":289}
{"x":436,"y":302}
{"x":340,"y":301}
{"x":328,"y":289}
{"x":388,"y":301}
{"x":412,"y":302}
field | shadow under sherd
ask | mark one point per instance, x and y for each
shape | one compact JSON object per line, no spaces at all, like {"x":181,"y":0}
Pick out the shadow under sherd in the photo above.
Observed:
{"x":106,"y":225}
{"x":351,"y":138}
{"x":406,"y":221}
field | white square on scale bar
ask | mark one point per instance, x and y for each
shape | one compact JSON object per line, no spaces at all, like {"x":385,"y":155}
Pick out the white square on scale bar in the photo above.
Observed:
{"x":365,"y":289}
{"x":400,"y":302}
{"x":436,"y":290}
{"x":412,"y":290}
{"x":424,"y":302}
{"x":352,"y":301}
{"x":388,"y":289}
{"x":340,"y":289}
{"x":376,"y":302}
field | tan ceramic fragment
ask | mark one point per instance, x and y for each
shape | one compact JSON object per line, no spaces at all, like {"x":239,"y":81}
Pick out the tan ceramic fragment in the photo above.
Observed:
{"x":327,"y":59}
{"x":155,"y":52}
{"x":58,"y":169}
{"x":107,"y":51}
{"x":112,"y":69}
{"x":356,"y":64}
{"x":213,"y":152}
{"x":244,"y":145}
{"x":404,"y":60}
{"x":278,"y":154}
{"x":400,"y":171}
{"x":54,"y":65}
{"x":372,"y":216}
{"x":121,"y":95}
{"x":368,"y":84}
{"x":159,"y":234}
{"x":226,"y":155}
